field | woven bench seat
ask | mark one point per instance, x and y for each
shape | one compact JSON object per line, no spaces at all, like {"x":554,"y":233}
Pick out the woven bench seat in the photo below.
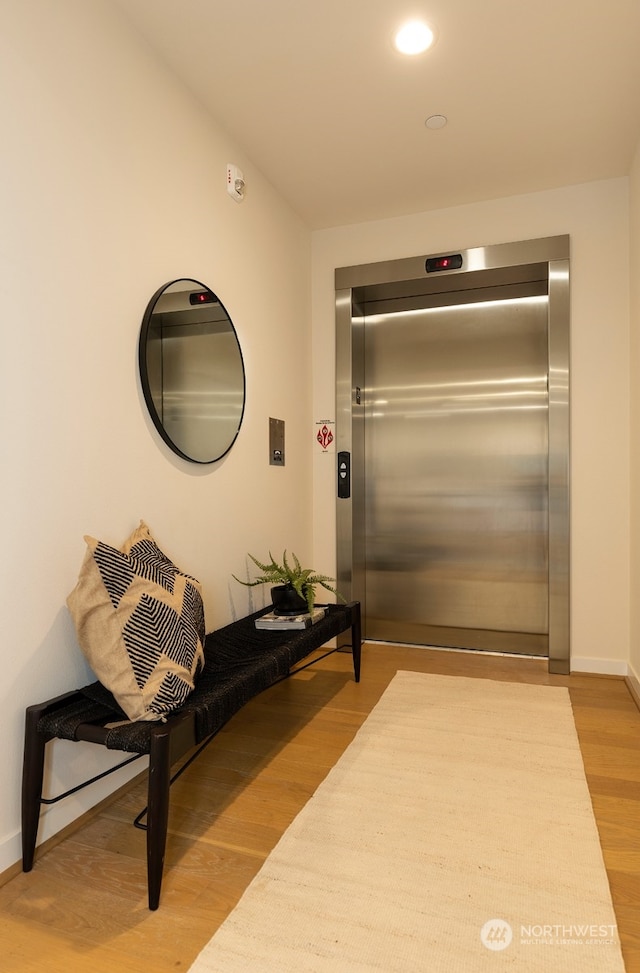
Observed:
{"x":240,"y":662}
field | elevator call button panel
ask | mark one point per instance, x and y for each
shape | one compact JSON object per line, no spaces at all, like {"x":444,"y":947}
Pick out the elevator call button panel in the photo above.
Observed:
{"x":344,"y":475}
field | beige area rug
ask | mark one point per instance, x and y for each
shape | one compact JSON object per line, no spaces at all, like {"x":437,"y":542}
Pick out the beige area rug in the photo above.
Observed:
{"x":455,"y":834}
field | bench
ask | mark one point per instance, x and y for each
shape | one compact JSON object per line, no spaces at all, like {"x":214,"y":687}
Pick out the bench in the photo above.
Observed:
{"x":240,"y":662}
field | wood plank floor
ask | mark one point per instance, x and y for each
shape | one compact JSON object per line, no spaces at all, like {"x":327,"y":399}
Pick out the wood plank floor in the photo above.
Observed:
{"x":83,"y":907}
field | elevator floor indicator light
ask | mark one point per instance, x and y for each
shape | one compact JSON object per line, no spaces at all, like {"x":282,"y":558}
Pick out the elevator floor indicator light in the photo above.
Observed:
{"x":451,"y":262}
{"x":203,"y":297}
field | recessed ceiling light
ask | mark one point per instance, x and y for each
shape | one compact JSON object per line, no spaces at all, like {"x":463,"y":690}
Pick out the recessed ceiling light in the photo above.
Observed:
{"x":414,"y":37}
{"x":436,"y":121}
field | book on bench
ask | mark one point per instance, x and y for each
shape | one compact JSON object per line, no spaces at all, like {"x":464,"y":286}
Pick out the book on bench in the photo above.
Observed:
{"x":280,"y":623}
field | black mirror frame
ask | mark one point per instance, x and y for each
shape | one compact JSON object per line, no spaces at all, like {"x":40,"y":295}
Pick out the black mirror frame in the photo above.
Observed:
{"x":144,"y":375}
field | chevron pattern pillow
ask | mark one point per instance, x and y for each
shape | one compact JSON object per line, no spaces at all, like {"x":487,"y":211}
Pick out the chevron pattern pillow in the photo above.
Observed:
{"x":140,"y":624}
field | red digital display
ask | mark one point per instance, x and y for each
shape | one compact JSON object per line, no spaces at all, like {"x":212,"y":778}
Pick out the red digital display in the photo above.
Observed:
{"x":452,"y":261}
{"x":202,"y":297}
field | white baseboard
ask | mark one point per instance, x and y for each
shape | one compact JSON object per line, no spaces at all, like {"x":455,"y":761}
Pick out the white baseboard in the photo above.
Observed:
{"x":633,"y":683}
{"x":600,"y":667}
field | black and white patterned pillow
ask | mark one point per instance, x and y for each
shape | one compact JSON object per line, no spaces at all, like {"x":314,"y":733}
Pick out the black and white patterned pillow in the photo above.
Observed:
{"x":140,"y":624}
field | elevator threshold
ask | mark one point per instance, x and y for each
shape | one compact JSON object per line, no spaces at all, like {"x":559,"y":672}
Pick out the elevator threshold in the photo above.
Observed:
{"x":451,"y":648}
{"x":532,"y":644}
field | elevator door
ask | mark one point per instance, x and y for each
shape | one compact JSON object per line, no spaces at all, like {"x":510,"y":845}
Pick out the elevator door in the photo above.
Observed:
{"x":456,"y":470}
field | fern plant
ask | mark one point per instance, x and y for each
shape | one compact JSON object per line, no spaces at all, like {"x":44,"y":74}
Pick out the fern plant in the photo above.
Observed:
{"x":290,"y":572}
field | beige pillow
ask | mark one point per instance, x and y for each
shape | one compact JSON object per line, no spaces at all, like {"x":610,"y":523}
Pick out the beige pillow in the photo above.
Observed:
{"x":140,"y":623}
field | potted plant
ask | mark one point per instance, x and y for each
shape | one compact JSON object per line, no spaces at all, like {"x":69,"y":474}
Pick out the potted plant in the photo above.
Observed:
{"x":294,"y":588}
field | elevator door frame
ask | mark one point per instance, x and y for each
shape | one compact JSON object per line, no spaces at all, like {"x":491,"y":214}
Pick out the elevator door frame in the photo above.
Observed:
{"x":408,"y":278}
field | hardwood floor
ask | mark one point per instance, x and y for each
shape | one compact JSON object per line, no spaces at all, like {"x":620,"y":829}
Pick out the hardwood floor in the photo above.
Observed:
{"x":83,"y":907}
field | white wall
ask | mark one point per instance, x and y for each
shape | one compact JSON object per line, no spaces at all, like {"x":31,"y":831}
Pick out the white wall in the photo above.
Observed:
{"x":112,"y":182}
{"x":596,"y":217}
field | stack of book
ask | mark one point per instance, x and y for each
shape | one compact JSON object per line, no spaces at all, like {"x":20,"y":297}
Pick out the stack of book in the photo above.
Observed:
{"x":281,"y":623}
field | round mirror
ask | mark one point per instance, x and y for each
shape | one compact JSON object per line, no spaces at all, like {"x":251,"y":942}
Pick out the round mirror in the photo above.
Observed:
{"x":192,"y":371}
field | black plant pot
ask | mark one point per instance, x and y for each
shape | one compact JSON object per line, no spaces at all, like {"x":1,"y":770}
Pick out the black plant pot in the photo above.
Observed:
{"x":287,"y":601}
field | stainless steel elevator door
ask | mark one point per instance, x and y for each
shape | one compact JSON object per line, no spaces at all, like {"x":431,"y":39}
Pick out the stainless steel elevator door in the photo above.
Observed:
{"x":456,"y":471}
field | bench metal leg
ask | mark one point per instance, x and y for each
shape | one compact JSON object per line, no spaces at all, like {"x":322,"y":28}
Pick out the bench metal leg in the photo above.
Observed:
{"x":32,"y":775}
{"x":158,"y":812}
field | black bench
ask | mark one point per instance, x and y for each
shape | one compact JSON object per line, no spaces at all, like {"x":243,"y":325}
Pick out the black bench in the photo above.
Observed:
{"x":240,"y":662}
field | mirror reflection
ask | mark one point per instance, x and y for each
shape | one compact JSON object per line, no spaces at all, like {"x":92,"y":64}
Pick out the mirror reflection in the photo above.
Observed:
{"x":192,"y":371}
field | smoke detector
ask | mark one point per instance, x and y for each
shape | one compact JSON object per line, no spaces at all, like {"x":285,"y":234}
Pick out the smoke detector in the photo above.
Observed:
{"x":235,"y":182}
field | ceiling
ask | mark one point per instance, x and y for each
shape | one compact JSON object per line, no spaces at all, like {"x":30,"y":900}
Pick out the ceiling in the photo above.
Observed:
{"x":537,"y":95}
